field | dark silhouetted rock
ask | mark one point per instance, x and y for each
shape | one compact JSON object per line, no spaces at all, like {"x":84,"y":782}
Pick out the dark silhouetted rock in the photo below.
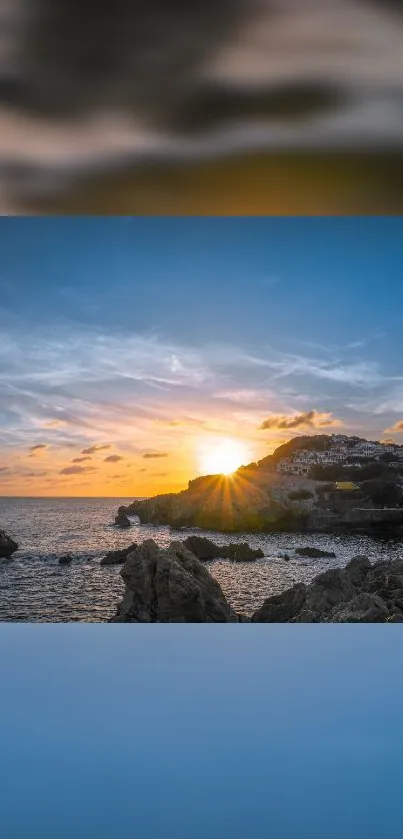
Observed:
{"x":122,"y":520}
{"x":7,"y":545}
{"x":315,"y":553}
{"x":204,"y":549}
{"x":242,"y":552}
{"x":118,"y":557}
{"x":170,"y":586}
{"x":282,"y":608}
{"x":357,"y":569}
{"x":65,"y":560}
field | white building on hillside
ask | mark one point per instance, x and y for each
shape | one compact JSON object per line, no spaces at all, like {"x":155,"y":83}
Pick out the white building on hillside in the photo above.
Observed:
{"x":368,"y":450}
{"x":336,"y":439}
{"x":301,"y":461}
{"x":293,"y":467}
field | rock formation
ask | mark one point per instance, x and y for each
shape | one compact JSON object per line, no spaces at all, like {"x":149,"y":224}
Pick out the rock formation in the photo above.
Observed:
{"x":65,"y":560}
{"x":173,"y":586}
{"x":315,"y":553}
{"x":7,"y":545}
{"x":205,"y":549}
{"x":170,"y":586}
{"x":118,"y":557}
{"x":121,"y":519}
{"x":358,"y":593}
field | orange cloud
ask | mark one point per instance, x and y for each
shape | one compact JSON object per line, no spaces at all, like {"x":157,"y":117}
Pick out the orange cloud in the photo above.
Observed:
{"x":396,"y":428}
{"x":307,"y":419}
{"x":113,"y":458}
{"x":80,"y":459}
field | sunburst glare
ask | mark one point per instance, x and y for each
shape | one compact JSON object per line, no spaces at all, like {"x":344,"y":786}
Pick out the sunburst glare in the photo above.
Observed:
{"x":222,"y":457}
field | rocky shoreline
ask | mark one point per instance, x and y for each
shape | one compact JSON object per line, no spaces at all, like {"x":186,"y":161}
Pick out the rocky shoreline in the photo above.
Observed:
{"x":172,"y":585}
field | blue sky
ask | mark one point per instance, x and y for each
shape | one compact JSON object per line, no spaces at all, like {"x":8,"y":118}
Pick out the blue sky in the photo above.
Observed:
{"x":118,"y":331}
{"x":290,"y":732}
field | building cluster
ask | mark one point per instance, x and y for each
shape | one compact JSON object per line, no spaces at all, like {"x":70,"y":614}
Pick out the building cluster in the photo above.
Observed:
{"x":343,"y":451}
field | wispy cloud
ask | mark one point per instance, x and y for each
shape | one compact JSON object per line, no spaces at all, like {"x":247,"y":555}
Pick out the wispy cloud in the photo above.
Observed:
{"x":113,"y":458}
{"x":354,"y":374}
{"x":54,"y":424}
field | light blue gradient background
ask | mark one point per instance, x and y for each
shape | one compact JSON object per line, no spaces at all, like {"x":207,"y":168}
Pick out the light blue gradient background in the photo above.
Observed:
{"x":282,"y":732}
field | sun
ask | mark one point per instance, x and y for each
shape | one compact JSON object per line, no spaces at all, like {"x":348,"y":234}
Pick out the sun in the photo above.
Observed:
{"x":222,"y":457}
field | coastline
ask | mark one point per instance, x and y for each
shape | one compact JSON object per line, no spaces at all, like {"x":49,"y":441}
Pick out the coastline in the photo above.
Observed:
{"x":36,"y":587}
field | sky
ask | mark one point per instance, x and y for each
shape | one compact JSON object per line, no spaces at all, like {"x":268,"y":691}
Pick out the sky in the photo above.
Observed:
{"x":133,"y":350}
{"x":280,"y":732}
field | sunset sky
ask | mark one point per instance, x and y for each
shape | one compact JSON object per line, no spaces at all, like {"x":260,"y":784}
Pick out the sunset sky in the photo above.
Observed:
{"x":134,"y":351}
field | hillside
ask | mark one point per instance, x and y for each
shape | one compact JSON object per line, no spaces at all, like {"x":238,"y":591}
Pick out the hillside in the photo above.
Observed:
{"x":257,"y":497}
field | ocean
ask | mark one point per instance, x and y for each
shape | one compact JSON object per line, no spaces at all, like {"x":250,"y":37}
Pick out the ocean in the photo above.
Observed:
{"x":34,"y":587}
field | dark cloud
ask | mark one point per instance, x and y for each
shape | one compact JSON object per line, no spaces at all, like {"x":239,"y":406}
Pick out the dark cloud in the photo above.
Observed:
{"x":4,"y":468}
{"x":150,"y":455}
{"x":80,"y":459}
{"x":38,"y":448}
{"x":77,"y":470}
{"x":94,"y":449}
{"x":308,"y":419}
{"x":113,"y":458}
